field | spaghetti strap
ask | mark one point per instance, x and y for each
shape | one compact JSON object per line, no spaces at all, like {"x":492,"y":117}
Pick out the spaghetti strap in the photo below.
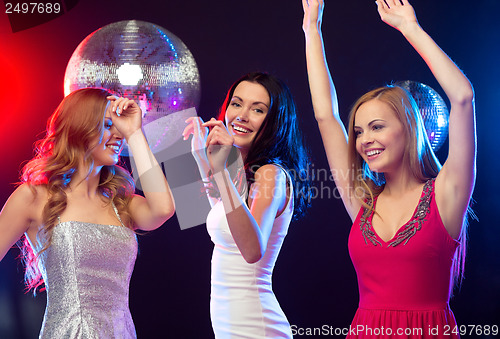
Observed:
{"x":116,"y":212}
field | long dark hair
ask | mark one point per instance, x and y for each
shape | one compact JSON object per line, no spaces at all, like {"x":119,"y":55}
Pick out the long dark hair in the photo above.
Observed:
{"x":278,"y":140}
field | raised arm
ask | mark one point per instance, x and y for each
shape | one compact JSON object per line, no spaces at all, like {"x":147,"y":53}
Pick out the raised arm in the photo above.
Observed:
{"x":457,"y":176}
{"x":250,"y":226}
{"x":325,"y":105}
{"x":151,"y":211}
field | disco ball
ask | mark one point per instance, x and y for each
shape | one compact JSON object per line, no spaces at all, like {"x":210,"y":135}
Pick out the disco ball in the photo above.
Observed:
{"x":433,"y":110}
{"x":143,"y":62}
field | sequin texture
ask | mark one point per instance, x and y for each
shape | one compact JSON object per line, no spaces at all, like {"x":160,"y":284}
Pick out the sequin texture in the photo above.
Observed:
{"x":87,"y":272}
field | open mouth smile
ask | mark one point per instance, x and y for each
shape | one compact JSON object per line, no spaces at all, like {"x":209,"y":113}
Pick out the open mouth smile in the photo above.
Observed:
{"x":240,"y":129}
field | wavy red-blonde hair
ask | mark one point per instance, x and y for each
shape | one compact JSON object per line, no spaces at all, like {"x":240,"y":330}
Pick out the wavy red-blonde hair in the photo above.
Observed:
{"x":71,"y":131}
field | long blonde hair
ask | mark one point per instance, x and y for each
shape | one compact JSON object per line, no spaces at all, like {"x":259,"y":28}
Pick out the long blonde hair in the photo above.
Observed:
{"x":76,"y":123}
{"x":418,"y":156}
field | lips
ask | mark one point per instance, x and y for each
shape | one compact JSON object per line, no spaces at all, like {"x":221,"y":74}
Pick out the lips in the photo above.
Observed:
{"x":240,"y":129}
{"x":373,"y":153}
{"x":115,"y":147}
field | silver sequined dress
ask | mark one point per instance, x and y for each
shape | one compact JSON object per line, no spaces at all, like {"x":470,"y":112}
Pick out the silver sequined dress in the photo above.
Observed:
{"x":87,"y":271}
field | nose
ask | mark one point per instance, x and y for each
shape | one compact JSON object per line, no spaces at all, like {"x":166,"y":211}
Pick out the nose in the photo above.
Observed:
{"x":242,"y":115}
{"x":366,"y":138}
{"x":116,"y":133}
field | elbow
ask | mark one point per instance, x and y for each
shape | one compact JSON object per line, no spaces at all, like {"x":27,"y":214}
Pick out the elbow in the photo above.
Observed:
{"x":168,"y":213}
{"x":466,"y":96}
{"x":164,"y":214}
{"x":254,"y":256}
{"x":252,"y":259}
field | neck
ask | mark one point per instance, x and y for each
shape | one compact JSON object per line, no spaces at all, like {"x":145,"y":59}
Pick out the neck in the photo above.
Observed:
{"x":85,"y":183}
{"x":400,"y":182}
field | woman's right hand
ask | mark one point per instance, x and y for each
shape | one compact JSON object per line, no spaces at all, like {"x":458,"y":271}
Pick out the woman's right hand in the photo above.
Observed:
{"x":199,"y":139}
{"x":396,"y":13}
{"x":313,"y":14}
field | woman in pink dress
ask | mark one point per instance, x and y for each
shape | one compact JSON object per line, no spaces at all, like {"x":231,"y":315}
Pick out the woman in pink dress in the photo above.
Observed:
{"x":407,"y":242}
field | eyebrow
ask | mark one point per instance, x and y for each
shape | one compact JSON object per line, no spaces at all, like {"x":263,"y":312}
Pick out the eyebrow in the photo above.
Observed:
{"x":254,"y":103}
{"x":371,"y":122}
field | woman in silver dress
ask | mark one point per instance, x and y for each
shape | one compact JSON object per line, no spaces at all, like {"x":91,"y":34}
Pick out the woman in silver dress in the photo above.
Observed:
{"x":78,"y":213}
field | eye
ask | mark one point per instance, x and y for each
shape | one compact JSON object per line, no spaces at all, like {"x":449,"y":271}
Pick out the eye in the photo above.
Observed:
{"x":258,"y":110}
{"x":235,"y":104}
{"x":108,"y":124}
{"x":377,"y":127}
{"x":357,"y":133}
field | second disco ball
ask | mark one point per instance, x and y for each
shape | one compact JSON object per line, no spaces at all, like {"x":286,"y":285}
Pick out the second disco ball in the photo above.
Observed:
{"x":433,"y":110}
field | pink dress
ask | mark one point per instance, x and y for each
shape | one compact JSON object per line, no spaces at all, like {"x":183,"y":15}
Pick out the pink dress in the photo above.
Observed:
{"x":405,"y":283}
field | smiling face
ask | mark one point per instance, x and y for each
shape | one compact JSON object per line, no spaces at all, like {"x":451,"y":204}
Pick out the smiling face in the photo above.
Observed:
{"x":380,"y":136}
{"x":107,"y":148}
{"x":246,"y":112}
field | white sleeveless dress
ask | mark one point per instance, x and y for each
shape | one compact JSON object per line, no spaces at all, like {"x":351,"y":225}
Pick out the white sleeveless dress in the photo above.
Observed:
{"x":242,"y":302}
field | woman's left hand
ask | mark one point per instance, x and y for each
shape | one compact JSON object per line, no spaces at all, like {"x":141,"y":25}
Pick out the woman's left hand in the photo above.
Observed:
{"x":219,"y":144}
{"x":125,"y":114}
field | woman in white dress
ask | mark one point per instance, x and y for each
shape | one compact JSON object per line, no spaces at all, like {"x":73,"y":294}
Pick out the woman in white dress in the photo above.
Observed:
{"x":78,"y":212}
{"x":249,"y":219}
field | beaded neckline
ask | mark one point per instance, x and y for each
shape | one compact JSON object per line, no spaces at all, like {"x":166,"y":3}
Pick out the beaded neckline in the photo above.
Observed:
{"x":406,"y":231}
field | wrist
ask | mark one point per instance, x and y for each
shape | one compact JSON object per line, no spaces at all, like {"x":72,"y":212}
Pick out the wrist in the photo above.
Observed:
{"x":221,"y":177}
{"x":410,"y":29}
{"x":138,"y":134}
{"x":313,"y":30}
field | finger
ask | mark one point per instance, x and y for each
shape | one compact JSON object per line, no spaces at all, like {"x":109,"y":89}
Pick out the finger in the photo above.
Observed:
{"x":128,"y":103}
{"x":187,"y":131}
{"x":119,"y":107}
{"x":210,"y":124}
{"x":391,"y":3}
{"x":381,"y":6}
{"x":202,"y":131}
{"x":116,"y":104}
{"x":219,"y":130}
{"x":209,"y":139}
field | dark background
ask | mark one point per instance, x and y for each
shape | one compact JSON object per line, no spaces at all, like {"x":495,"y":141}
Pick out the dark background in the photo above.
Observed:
{"x":314,"y":279}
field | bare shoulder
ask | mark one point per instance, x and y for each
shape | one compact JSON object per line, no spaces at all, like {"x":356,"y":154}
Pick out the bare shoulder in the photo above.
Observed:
{"x":30,"y":199}
{"x":270,"y":173}
{"x":270,"y":185}
{"x":30,"y":193}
